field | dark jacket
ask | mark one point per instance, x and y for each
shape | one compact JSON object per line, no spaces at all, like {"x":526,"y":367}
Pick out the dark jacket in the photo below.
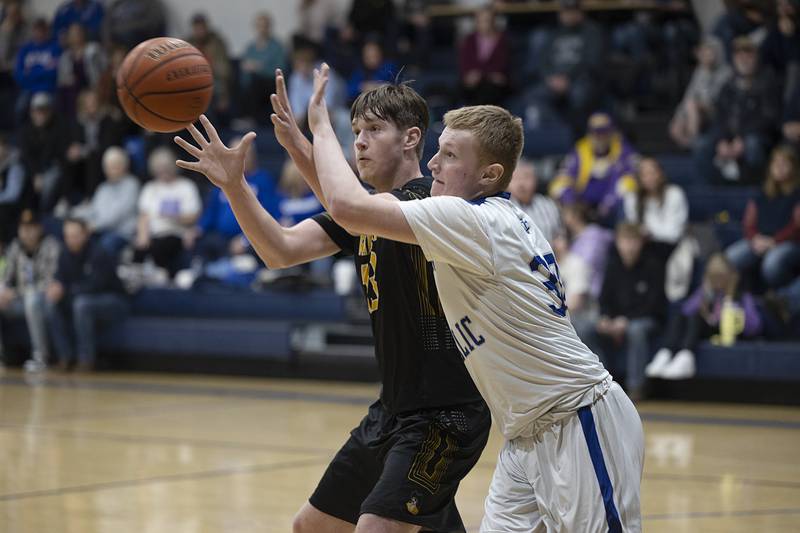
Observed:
{"x":635,"y":292}
{"x":92,"y":271}
{"x":752,"y":110}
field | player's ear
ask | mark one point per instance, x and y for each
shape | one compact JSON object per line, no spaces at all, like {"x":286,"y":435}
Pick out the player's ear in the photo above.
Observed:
{"x":492,"y":174}
{"x":413,"y":138}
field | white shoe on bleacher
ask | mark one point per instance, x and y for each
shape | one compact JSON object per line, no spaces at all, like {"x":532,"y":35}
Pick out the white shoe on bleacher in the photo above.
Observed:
{"x":658,"y":364}
{"x":682,"y":366}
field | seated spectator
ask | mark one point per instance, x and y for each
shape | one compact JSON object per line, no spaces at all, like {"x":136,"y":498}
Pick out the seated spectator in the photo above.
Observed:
{"x":368,"y":18}
{"x":632,"y":305}
{"x":702,"y":315}
{"x":85,"y":293}
{"x":88,"y":13}
{"x":43,"y":144}
{"x":416,"y":33}
{"x":772,"y":225}
{"x":80,"y":67}
{"x":781,"y":47}
{"x":746,"y":117}
{"x":599,"y":171}
{"x":168,"y":207}
{"x":742,"y":18}
{"x":13,"y":33}
{"x":571,"y":65}
{"x":31,"y":265}
{"x":113,"y":213}
{"x":659,"y":206}
{"x":696,"y":108}
{"x":257,"y":67}
{"x":212,"y":45}
{"x":374,"y":70}
{"x":791,"y":120}
{"x":129,"y":22}
{"x":582,"y":258}
{"x":541,"y":209}
{"x":294,"y":200}
{"x":12,"y":189}
{"x":94,"y":131}
{"x":484,"y":62}
{"x":217,"y":233}
{"x":36,"y":67}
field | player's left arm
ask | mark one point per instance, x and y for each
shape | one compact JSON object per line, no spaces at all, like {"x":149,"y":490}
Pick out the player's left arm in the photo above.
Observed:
{"x":349,"y":204}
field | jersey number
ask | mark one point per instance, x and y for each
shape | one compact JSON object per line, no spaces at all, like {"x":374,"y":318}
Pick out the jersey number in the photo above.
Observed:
{"x":546,"y":266}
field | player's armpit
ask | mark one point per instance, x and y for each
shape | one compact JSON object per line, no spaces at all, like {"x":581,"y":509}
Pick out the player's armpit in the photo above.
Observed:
{"x":377,"y":214}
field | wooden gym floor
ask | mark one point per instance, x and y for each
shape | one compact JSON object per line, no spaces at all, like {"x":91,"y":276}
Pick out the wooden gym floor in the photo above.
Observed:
{"x":175,"y":454}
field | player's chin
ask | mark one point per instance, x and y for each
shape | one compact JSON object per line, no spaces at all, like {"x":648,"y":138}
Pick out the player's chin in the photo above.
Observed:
{"x":437,"y":188}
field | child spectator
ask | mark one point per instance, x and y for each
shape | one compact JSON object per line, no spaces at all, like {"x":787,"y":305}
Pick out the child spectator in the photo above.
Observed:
{"x":772,"y":224}
{"x":632,"y":304}
{"x":168,"y":207}
{"x":86,"y":292}
{"x":697,"y":107}
{"x":31,"y":265}
{"x":700,"y":316}
{"x":484,"y":62}
{"x":599,"y":170}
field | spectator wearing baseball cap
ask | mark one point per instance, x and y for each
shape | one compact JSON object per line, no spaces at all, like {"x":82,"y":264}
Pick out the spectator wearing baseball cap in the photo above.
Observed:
{"x":599,"y":170}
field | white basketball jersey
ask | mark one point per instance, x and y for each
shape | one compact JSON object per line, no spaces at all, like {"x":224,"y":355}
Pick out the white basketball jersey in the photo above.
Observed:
{"x":499,"y":285}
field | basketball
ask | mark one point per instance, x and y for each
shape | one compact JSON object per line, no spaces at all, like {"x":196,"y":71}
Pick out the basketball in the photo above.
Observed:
{"x":164,"y":84}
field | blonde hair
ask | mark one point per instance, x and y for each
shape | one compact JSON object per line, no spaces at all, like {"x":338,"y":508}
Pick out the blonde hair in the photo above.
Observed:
{"x":718,"y":266}
{"x":498,"y":132}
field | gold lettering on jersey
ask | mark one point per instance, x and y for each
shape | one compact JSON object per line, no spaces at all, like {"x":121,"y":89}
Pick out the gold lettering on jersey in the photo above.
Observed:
{"x":365,"y":248}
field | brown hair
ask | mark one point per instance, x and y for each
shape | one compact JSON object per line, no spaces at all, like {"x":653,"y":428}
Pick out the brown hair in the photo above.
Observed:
{"x":773,"y":188}
{"x":629,"y":229}
{"x":498,"y":132}
{"x":718,"y":265}
{"x":397,"y":103}
{"x":641,"y":194}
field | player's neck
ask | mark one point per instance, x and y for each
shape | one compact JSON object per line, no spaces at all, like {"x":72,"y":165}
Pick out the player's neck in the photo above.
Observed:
{"x":407,"y":171}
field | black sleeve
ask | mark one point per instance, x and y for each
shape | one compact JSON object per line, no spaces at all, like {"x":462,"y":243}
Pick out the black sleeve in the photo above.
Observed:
{"x":655,"y":299}
{"x":338,"y":234}
{"x":62,"y":276}
{"x":103,"y":276}
{"x":607,"y":292}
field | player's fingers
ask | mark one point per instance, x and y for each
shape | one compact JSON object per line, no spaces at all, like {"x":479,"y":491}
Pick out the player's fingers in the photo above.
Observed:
{"x":246,"y":141}
{"x":189,"y":147}
{"x":211,"y":131}
{"x":277,"y":105}
{"x":276,"y":121}
{"x":190,"y":165}
{"x":280,"y":84}
{"x":196,"y":135}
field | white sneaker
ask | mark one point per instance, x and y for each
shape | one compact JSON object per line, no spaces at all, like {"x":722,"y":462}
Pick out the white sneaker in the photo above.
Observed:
{"x":681,"y":367}
{"x":658,"y":364}
{"x":33,"y":366}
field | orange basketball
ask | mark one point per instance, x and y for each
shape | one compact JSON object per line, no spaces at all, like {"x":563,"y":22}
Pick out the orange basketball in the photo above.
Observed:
{"x":164,"y":84}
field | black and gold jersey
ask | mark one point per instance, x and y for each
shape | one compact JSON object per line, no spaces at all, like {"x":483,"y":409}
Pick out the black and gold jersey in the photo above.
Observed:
{"x":419,"y":362}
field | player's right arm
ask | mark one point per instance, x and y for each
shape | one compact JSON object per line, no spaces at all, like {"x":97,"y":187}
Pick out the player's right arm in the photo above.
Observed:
{"x":292,"y":139}
{"x":277,"y":246}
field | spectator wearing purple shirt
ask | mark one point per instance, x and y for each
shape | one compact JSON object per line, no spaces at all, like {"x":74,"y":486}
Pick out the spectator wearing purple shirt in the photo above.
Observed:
{"x":700,"y":318}
{"x":484,"y":61}
{"x":599,"y":170}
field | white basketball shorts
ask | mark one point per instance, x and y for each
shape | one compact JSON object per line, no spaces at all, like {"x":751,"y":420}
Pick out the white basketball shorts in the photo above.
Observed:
{"x":582,"y":474}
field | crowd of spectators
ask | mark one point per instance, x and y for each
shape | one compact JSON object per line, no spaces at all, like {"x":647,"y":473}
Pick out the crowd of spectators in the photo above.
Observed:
{"x":619,"y":225}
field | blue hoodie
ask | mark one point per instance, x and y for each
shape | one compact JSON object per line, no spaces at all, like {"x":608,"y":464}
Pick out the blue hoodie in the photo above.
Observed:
{"x":37,"y":66}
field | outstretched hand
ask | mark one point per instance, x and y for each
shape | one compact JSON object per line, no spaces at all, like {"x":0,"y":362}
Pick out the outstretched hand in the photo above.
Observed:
{"x":223,"y":166}
{"x":317,"y":108}
{"x":286,"y":129}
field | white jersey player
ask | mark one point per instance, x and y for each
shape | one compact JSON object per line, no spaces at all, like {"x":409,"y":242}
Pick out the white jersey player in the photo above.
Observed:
{"x":574,"y":451}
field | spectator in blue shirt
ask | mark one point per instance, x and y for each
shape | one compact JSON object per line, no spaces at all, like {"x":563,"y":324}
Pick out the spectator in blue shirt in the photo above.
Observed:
{"x":217,"y":233}
{"x":87,"y":13}
{"x":36,"y":66}
{"x":374,"y":70}
{"x":257,"y":67}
